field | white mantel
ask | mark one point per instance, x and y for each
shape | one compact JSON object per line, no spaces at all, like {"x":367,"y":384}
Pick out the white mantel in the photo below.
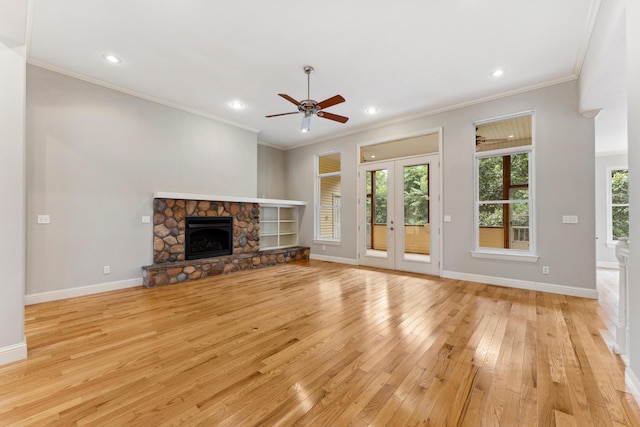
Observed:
{"x":215,"y":198}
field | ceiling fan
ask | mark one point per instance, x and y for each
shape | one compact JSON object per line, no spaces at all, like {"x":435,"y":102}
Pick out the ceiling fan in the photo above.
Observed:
{"x":310,"y":107}
{"x":483,"y":140}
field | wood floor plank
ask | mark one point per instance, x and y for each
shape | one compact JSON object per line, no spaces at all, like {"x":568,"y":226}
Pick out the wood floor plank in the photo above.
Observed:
{"x":317,"y":343}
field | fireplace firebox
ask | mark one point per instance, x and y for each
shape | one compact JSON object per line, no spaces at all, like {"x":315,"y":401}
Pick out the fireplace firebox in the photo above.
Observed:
{"x":208,"y":236}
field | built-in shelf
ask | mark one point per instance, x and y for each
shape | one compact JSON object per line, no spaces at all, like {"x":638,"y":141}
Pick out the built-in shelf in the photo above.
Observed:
{"x":278,"y":218}
{"x":278,"y":225}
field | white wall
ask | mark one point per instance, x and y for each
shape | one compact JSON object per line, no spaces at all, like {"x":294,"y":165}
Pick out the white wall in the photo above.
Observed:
{"x":12,"y":190}
{"x":610,"y":13}
{"x":605,"y":255}
{"x":633,"y":100}
{"x":271,"y":172}
{"x":94,"y":158}
{"x":565,"y":164}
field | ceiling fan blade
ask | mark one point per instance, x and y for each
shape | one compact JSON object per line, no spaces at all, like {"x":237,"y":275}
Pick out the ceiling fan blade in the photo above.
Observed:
{"x":491,"y":141}
{"x":290,"y":99}
{"x":334,"y":117}
{"x":283,"y":114}
{"x":331,"y":101}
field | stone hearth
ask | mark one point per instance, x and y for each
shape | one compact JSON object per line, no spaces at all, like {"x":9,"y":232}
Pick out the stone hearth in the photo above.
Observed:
{"x":177,"y":272}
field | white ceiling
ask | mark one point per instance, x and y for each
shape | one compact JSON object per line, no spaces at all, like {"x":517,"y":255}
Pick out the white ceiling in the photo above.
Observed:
{"x":406,"y":58}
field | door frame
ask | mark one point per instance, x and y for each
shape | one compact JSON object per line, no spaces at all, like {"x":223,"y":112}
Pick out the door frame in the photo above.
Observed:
{"x":361,"y":227}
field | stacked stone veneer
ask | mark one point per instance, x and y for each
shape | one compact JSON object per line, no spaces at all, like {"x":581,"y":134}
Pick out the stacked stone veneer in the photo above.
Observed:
{"x":168,"y":242}
{"x":169,"y":225}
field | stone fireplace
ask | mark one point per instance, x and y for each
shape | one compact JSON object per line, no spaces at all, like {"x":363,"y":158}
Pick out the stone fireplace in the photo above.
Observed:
{"x":169,"y":219}
{"x":179,"y":219}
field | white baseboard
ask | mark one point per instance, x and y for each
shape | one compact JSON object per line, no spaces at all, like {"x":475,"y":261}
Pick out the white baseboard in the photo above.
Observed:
{"x":607,"y":264}
{"x":339,"y":260}
{"x":632,"y":383}
{"x":523,"y":284}
{"x":14,"y":352}
{"x":81,"y":291}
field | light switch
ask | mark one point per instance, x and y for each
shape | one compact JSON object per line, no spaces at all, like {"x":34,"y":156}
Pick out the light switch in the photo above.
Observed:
{"x":569,"y":219}
{"x":44,"y":219}
{"x":447,"y":218}
{"x":146,"y":219}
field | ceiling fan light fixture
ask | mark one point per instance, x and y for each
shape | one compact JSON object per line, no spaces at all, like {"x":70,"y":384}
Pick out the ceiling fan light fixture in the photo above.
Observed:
{"x":306,"y":124}
{"x":111,"y":58}
{"x":499,"y":72}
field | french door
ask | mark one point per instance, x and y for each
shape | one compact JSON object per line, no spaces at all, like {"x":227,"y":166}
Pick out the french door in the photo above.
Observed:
{"x":398,"y":214}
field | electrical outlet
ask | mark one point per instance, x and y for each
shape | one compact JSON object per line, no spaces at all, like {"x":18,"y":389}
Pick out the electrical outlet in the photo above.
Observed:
{"x":107,"y":269}
{"x":146,"y":219}
{"x":545,"y":269}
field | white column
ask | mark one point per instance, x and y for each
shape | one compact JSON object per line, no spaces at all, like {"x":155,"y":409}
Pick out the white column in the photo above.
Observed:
{"x":622,"y":328}
{"x":633,"y":105}
{"x":13,"y":345}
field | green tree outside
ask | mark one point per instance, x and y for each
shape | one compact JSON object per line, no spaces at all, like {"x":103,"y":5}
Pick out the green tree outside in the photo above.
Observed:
{"x":620,"y":203}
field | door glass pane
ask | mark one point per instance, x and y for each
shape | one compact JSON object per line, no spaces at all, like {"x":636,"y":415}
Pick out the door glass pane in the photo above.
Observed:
{"x":376,"y":212}
{"x":417,"y":229}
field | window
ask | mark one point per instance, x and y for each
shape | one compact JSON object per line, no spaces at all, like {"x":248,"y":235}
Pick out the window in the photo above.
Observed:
{"x":617,"y":204}
{"x":327,"y":212}
{"x":504,"y":202}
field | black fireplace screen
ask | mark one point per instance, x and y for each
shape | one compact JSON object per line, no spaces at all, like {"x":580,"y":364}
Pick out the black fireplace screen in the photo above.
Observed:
{"x":208,"y":236}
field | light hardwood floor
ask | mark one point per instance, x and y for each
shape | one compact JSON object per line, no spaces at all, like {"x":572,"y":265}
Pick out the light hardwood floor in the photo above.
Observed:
{"x":317,"y":343}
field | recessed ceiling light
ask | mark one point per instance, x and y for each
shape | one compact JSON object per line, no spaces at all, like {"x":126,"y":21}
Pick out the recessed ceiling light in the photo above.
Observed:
{"x":512,"y":136}
{"x":499,"y":72}
{"x":236,"y":105}
{"x":371,"y":110}
{"x":373,"y":156}
{"x":112,"y":58}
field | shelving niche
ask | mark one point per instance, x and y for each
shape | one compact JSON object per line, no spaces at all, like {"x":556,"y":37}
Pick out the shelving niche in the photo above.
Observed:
{"x":278,"y":226}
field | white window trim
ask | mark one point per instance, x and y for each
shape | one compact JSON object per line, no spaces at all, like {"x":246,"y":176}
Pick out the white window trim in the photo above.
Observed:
{"x":316,"y":199}
{"x":518,"y":255}
{"x":611,"y":243}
